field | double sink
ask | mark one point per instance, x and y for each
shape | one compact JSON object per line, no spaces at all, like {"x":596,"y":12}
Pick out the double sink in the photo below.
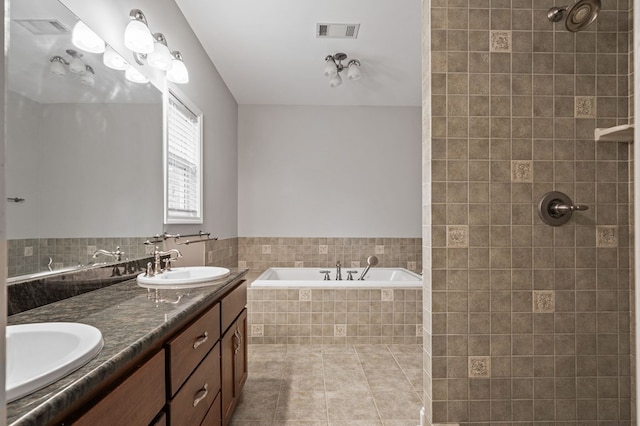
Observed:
{"x":42,"y":353}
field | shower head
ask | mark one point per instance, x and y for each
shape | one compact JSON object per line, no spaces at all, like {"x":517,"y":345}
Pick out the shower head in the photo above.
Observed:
{"x":578,"y":16}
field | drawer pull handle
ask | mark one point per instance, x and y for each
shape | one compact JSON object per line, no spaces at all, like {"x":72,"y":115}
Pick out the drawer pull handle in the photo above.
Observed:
{"x":202,"y":394}
{"x":200,"y":340}
{"x":236,"y":342}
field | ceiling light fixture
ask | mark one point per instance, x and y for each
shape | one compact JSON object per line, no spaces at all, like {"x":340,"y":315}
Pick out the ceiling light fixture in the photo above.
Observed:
{"x":58,"y":66}
{"x":137,"y":36}
{"x":333,"y":67}
{"x":85,"y":39}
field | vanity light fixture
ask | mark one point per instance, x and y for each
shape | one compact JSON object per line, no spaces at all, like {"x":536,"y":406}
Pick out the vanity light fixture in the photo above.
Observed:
{"x":89,"y":77}
{"x":178,"y":73}
{"x":135,"y":76}
{"x":114,"y":61}
{"x":137,"y":36}
{"x":85,"y":39}
{"x":57,"y":66}
{"x":333,"y":67}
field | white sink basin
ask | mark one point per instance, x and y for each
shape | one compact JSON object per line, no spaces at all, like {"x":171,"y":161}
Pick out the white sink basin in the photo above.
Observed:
{"x":185,"y":277}
{"x":42,"y":353}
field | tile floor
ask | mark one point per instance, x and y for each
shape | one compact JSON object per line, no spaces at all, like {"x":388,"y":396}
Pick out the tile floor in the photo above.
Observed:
{"x":332,"y":385}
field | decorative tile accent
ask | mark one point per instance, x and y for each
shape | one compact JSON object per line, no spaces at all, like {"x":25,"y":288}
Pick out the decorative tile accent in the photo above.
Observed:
{"x":340,"y":330}
{"x":298,"y":264}
{"x":305,"y":295}
{"x":386,"y":295}
{"x":257,"y":330}
{"x":606,"y":236}
{"x":379,"y":249}
{"x":500,"y":41}
{"x":242,"y":264}
{"x":28,"y":251}
{"x":355,"y":263}
{"x":544,"y":301}
{"x":585,"y":107}
{"x":91,"y":249}
{"x":521,"y":171}
{"x":323,"y":249}
{"x":266,"y":249}
{"x":411,"y":266}
{"x":458,"y":236}
{"x":479,"y":367}
{"x":419,"y":330}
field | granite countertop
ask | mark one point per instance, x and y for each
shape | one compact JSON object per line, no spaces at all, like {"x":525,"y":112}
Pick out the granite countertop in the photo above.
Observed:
{"x":132,"y":324}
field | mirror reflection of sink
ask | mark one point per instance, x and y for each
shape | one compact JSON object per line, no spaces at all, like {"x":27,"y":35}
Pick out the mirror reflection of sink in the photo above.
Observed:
{"x":42,"y":353}
{"x":185,"y":277}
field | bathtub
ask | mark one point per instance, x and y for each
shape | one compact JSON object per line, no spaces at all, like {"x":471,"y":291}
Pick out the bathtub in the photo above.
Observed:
{"x":313,"y":278}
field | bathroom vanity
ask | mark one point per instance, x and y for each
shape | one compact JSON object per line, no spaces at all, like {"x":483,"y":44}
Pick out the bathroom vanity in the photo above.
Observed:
{"x":170,"y":357}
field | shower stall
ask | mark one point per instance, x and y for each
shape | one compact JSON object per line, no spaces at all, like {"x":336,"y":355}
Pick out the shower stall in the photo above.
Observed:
{"x":527,"y":321}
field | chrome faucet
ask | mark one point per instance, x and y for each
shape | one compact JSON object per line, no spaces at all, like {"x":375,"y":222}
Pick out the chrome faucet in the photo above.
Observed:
{"x":116,"y":255}
{"x":157,"y":259}
{"x":338,"y":271}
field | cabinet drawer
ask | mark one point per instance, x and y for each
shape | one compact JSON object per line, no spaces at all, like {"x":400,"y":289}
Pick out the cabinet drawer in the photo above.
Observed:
{"x":136,"y":401}
{"x":187,"y":349}
{"x":232,"y":304}
{"x":190,"y":405}
{"x":214,"y":416}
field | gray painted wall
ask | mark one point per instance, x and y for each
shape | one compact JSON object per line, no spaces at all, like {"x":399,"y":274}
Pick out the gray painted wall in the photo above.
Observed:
{"x":329,"y":171}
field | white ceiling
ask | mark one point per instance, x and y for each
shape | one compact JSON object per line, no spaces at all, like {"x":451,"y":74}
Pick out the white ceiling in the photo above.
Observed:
{"x":267,"y":51}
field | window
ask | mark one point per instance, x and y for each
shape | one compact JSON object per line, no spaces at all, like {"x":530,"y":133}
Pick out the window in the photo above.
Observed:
{"x":182,"y":161}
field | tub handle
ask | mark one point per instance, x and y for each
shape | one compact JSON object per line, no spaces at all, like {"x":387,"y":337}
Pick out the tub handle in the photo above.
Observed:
{"x":350,"y":275}
{"x":326,"y":274}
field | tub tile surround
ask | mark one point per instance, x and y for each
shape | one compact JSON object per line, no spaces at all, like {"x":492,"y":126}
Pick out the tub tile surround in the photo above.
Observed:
{"x":260,"y":253}
{"x":512,"y":101}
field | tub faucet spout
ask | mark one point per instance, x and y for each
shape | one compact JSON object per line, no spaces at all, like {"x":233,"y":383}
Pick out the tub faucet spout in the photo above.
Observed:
{"x":338,"y":271}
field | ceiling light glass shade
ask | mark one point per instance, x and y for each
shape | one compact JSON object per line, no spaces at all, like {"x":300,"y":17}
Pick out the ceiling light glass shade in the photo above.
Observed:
{"x":84,"y":38}
{"x":138,"y":38}
{"x":335,"y":80}
{"x":135,"y":76}
{"x":77,"y":66}
{"x":160,"y":58}
{"x":330,"y":68}
{"x":354,"y":71}
{"x":57,"y":66}
{"x":178,"y":72}
{"x":114,"y":61}
{"x":89,"y":77}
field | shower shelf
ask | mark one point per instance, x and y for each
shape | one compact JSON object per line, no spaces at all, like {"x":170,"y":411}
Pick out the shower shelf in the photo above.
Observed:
{"x":623,"y":133}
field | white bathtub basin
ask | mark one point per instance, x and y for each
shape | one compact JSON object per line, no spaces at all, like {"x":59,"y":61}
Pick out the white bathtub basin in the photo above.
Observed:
{"x":314,"y":277}
{"x":42,"y":353}
{"x":189,"y":276}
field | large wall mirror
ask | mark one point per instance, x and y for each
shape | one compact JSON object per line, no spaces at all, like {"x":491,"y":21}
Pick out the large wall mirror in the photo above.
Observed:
{"x":83,"y":159}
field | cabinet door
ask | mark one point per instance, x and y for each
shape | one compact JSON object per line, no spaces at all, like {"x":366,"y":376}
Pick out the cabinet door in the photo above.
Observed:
{"x":233,"y":364}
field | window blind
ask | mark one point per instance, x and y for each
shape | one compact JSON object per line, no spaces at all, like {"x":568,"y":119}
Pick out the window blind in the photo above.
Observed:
{"x":183,"y":158}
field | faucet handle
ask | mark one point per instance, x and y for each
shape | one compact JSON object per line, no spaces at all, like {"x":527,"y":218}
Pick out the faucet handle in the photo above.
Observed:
{"x":350,"y":276}
{"x":326,"y":274}
{"x":168,"y":261}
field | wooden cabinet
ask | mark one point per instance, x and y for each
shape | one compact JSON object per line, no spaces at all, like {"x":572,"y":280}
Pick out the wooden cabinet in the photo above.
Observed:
{"x":196,"y":379}
{"x":233,"y":351}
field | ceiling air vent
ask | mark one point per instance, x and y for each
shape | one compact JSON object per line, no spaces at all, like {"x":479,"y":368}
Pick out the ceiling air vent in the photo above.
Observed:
{"x":337,"y":30}
{"x":43,"y":26}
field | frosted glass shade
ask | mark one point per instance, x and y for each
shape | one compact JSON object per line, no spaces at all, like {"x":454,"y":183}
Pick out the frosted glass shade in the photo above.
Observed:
{"x":354,"y":71}
{"x":335,"y":80}
{"x":77,"y":66}
{"x":178,"y":72}
{"x":330,"y":68}
{"x":57,"y":67}
{"x":160,"y":58}
{"x":138,"y":38}
{"x":88,"y":78}
{"x":85,"y":39}
{"x":135,"y":76}
{"x":114,"y":61}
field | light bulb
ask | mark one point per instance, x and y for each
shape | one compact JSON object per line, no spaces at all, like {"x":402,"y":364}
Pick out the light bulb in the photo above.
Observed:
{"x":135,"y":76}
{"x":84,"y":38}
{"x":137,"y":36}
{"x":335,"y":80}
{"x":160,"y":58}
{"x":178,"y":72}
{"x":113,"y":60}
